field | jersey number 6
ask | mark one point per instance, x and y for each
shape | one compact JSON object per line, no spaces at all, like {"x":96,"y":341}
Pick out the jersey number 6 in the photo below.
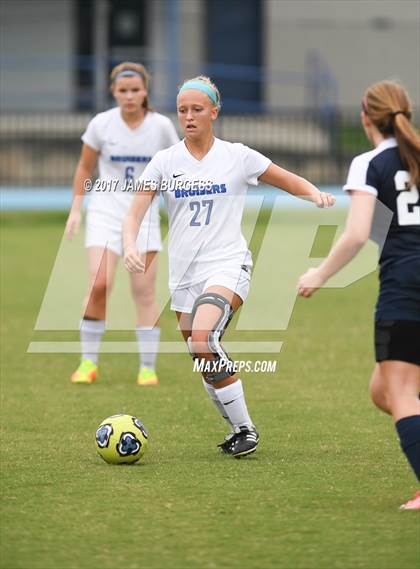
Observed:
{"x":129,"y":173}
{"x":407,"y":196}
{"x":195,"y":207}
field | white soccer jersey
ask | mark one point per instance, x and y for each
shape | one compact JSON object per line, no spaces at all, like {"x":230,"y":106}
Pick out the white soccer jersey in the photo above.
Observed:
{"x":205,"y":201}
{"x":123,"y":154}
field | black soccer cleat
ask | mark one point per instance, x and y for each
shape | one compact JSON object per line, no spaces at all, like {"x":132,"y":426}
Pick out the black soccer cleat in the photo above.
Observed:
{"x":244,"y":443}
{"x":226,"y":446}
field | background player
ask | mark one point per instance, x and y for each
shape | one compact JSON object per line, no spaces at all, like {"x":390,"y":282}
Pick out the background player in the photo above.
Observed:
{"x":206,"y":181}
{"x":390,"y":173}
{"x":122,"y":141}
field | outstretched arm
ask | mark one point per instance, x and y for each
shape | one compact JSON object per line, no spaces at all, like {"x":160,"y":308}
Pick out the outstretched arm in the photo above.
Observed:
{"x":295,"y":185}
{"x":355,"y":235}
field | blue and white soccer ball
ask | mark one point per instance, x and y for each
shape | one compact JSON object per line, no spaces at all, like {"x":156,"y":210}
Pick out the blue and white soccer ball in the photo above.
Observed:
{"x":121,"y":439}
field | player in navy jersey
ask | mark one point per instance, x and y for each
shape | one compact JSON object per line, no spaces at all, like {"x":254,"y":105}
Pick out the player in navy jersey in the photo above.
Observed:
{"x":389,"y":174}
{"x":121,"y":141}
{"x":204,"y":181}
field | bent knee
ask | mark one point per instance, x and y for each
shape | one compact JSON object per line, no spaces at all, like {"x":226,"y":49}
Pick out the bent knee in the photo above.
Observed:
{"x":200,"y":343}
{"x":377,"y":395}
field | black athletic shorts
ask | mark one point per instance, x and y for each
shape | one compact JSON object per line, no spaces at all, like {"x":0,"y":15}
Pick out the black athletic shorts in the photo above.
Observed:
{"x":397,"y":340}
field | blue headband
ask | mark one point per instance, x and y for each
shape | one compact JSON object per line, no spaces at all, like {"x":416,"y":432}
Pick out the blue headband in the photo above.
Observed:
{"x":203,"y":87}
{"x":128,"y":73}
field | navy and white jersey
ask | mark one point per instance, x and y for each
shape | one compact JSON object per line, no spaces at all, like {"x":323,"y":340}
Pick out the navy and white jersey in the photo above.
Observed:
{"x":381,"y":173}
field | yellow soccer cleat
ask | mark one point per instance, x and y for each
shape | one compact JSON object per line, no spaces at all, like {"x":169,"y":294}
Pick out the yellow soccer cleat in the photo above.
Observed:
{"x":147,"y":376}
{"x":85,"y":373}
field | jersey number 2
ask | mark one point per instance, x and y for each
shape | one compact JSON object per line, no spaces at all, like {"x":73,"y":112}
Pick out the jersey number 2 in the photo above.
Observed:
{"x":407,"y":196}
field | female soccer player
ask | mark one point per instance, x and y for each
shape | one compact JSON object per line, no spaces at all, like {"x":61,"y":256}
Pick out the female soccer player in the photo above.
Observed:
{"x":204,"y":180}
{"x":391,"y":174}
{"x":122,"y":141}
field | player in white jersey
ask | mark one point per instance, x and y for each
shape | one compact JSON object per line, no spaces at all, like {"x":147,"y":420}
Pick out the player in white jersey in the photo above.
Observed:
{"x":121,"y":141}
{"x":204,"y":181}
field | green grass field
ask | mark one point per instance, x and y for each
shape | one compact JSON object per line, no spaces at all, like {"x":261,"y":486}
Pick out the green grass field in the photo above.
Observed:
{"x":321,"y":492}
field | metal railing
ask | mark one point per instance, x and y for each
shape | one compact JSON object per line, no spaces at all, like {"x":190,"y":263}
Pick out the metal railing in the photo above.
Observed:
{"x":42,"y":150}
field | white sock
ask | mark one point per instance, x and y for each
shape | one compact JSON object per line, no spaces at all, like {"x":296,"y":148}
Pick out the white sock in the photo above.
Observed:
{"x":91,"y":332}
{"x":219,"y":406}
{"x":233,"y":400}
{"x":148,"y":340}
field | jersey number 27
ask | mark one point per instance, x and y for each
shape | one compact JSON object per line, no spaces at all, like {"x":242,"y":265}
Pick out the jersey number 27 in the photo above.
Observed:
{"x":407,"y":196}
{"x":206,"y":205}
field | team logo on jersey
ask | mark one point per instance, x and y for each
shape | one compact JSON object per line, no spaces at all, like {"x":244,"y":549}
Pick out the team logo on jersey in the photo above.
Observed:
{"x":130,"y":158}
{"x":189,"y":192}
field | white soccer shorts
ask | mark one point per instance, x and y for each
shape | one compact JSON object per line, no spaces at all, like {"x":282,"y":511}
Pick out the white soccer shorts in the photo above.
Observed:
{"x":100,"y":233}
{"x":235,"y":279}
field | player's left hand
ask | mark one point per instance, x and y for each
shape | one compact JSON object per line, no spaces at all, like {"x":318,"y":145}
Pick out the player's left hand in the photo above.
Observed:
{"x":310,"y":282}
{"x":324,"y":200}
{"x":133,"y":260}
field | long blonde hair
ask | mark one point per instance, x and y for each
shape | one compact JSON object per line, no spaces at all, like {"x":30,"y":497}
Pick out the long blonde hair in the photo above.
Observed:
{"x":389,"y":108}
{"x":137,"y":68}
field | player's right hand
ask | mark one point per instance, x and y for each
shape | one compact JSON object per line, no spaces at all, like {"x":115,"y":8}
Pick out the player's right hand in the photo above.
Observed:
{"x":73,"y":224}
{"x":310,"y":282}
{"x":324,"y":200}
{"x":133,"y":260}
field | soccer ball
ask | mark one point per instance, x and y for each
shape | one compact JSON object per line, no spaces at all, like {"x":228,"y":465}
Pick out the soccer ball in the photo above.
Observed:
{"x":121,"y":439}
